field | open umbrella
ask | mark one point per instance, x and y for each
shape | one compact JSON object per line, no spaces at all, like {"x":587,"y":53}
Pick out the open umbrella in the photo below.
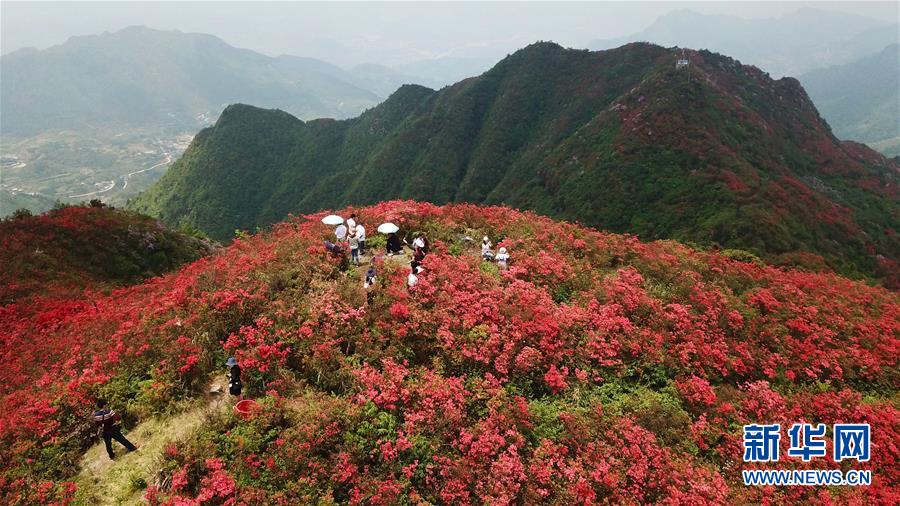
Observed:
{"x":332,"y":219}
{"x":388,"y":228}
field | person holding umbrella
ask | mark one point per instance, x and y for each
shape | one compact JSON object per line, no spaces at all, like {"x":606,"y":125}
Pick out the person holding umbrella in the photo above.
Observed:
{"x":394,"y":245}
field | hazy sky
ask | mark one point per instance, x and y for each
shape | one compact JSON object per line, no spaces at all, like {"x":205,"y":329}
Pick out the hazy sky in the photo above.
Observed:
{"x":390,"y":33}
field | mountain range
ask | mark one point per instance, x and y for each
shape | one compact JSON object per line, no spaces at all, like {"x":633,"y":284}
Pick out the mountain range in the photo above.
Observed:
{"x":714,"y":153}
{"x":144,"y":77}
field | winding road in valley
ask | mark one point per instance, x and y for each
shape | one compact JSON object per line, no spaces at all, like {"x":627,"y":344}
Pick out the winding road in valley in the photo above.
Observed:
{"x":167,"y":161}
{"x":112,"y":184}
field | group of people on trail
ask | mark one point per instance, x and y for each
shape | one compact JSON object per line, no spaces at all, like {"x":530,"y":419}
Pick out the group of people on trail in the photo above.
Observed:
{"x":107,"y":420}
{"x":354,"y":234}
{"x":502,"y":256}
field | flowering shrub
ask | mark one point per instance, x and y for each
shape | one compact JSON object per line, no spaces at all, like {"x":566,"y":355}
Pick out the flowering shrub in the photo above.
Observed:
{"x":67,"y":246}
{"x":596,"y":369}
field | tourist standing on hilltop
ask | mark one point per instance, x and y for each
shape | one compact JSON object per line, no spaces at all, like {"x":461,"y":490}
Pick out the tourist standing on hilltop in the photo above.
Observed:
{"x":486,"y":252}
{"x":351,"y":225}
{"x":394,"y":244}
{"x":503,"y":259}
{"x":234,"y":377}
{"x":369,"y":284}
{"x":370,"y":278}
{"x":354,"y":250}
{"x":108,"y":428}
{"x":361,"y":237}
{"x":418,"y":256}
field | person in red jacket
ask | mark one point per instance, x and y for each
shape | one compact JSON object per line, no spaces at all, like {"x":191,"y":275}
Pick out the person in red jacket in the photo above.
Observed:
{"x":108,"y":428}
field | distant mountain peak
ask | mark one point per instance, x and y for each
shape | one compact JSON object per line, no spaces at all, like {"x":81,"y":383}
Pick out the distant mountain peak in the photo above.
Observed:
{"x":622,"y":139}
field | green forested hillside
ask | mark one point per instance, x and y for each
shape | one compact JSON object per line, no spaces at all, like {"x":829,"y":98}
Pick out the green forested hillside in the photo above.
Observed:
{"x":715,"y":153}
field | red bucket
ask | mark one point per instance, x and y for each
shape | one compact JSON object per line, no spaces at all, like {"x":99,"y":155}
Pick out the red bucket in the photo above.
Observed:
{"x":246,"y":408}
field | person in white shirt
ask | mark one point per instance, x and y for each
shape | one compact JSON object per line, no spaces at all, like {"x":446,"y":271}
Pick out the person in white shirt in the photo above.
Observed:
{"x":351,"y":225}
{"x":486,"y":252}
{"x":361,"y":237}
{"x":503,"y":259}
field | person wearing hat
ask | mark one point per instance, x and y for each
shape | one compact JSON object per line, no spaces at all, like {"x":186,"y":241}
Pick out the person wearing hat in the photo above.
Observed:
{"x":369,"y":284}
{"x":108,"y":428}
{"x":370,"y":278}
{"x":234,"y":377}
{"x":503,"y":259}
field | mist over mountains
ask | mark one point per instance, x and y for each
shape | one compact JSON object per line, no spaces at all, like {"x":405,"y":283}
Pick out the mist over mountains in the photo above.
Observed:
{"x":789,"y":45}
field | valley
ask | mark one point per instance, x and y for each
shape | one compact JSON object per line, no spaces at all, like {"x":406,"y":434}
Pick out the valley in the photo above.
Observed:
{"x":74,"y":166}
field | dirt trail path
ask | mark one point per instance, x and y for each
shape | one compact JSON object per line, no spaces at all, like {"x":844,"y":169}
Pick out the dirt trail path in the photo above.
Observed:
{"x":121,"y":481}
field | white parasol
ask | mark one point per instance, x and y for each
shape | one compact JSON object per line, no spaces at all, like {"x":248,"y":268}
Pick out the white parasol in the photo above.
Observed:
{"x":388,"y":228}
{"x":332,"y":219}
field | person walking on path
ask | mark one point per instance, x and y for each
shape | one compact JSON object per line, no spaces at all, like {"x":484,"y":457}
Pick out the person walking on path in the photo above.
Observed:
{"x":107,"y":422}
{"x":234,"y":377}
